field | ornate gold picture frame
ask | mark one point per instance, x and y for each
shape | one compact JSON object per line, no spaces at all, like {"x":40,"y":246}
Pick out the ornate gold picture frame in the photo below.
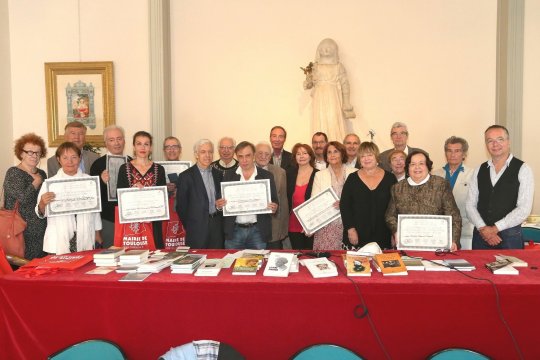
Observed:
{"x":79,"y":91}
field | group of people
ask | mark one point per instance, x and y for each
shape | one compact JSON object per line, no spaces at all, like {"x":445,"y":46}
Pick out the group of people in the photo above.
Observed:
{"x":487,"y":204}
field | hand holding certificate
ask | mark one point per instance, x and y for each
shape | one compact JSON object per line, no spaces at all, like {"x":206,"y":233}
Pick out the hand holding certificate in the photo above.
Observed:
{"x":318,"y":211}
{"x":143,"y":204}
{"x":73,"y":196}
{"x":424,"y":232}
{"x":247,"y":197}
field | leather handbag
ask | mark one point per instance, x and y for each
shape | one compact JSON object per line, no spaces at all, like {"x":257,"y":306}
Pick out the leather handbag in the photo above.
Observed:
{"x":12,"y":226}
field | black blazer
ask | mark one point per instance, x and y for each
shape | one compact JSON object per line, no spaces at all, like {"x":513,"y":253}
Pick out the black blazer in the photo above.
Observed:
{"x":286,"y":159}
{"x":264,"y":221}
{"x":192,"y":204}
{"x":292,"y":174}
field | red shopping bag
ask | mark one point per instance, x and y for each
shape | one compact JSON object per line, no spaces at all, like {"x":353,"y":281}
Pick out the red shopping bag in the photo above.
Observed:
{"x":137,"y":235}
{"x":174,"y":234}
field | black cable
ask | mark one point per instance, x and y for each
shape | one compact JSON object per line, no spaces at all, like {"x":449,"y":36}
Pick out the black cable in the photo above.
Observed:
{"x":497,"y":300}
{"x":364,"y":311}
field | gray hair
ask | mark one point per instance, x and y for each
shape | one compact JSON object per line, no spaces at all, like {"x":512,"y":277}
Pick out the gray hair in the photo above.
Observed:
{"x":227,"y":138}
{"x":351,"y":134}
{"x":398,"y":124}
{"x":264,"y":143}
{"x":457,"y":140}
{"x":201,"y":142}
{"x":172,"y":138}
{"x":112,"y":127}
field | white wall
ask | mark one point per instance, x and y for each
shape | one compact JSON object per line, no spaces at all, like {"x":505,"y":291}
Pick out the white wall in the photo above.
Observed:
{"x":47,"y":31}
{"x":429,"y":63}
{"x":531,"y":93}
{"x":6,"y":125}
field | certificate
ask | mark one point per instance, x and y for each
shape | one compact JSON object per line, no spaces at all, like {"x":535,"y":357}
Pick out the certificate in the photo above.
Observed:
{"x":424,"y":232}
{"x":173,"y":168}
{"x":73,"y":196}
{"x":113,"y":166}
{"x":317,"y":212}
{"x":141,"y":205}
{"x":246,"y":197}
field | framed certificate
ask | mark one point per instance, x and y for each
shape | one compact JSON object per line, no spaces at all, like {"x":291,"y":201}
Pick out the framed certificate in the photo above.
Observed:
{"x":73,"y":196}
{"x":246,"y":197}
{"x":113,"y":166}
{"x":141,"y":205}
{"x":317,"y":212}
{"x":173,"y":168}
{"x":424,"y":232}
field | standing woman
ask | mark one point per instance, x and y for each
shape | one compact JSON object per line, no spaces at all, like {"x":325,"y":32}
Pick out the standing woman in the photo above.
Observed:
{"x":335,"y":155}
{"x":300,"y":178}
{"x":68,"y":233}
{"x":22,"y":184}
{"x":364,"y":201}
{"x":141,"y":172}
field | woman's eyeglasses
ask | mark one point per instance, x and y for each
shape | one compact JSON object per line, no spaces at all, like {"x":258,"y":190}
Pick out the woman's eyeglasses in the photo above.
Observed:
{"x":32,"y":153}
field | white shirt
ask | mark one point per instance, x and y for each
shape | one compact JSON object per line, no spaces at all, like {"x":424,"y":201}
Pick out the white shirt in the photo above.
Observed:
{"x":524,"y":201}
{"x":246,"y":219}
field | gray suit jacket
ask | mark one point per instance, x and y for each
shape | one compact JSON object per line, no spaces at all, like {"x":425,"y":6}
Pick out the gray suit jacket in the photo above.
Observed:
{"x":280,"y":222}
{"x":88,"y":159}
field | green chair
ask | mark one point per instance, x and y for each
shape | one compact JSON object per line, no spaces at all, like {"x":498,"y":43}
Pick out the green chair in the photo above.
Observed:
{"x":325,"y":352}
{"x":90,"y":350}
{"x":457,"y":354}
{"x":530,"y":234}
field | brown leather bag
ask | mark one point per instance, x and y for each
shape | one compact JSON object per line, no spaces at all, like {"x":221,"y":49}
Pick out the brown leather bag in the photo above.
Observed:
{"x":12,"y":226}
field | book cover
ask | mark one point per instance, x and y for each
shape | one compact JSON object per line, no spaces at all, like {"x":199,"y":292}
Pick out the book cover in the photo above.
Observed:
{"x":460,"y":264}
{"x":502,"y":267}
{"x":210,"y":267}
{"x":189,"y":260}
{"x":110,"y":253}
{"x":357,"y":265}
{"x":246,"y":266}
{"x":413,"y":263}
{"x":320,"y":267}
{"x":391,"y":264}
{"x":279,"y":264}
{"x":435,"y":265}
{"x":135,"y":277}
{"x":516,"y":262}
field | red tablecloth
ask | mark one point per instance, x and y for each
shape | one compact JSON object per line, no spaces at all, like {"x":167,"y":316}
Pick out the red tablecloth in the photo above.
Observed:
{"x":272,"y":318}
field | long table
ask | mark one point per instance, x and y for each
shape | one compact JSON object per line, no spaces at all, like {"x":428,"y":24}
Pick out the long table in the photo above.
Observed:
{"x":272,"y":318}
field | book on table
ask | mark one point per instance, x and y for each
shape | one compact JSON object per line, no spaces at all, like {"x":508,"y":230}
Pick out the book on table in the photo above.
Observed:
{"x":246,"y":266}
{"x":357,"y":265}
{"x":157,"y":264}
{"x":106,"y":262}
{"x":187,"y":264}
{"x":110,"y":253}
{"x":436,"y":265}
{"x":459,"y":264}
{"x":502,"y":267}
{"x":390,"y":263}
{"x":413,"y":263}
{"x":516,"y":262}
{"x":279,"y":264}
{"x":135,"y":277}
{"x":210,"y":267}
{"x":131,"y":257}
{"x":320,"y":267}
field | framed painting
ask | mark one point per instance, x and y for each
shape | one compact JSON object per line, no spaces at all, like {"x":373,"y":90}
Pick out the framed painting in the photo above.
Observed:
{"x":79,"y":91}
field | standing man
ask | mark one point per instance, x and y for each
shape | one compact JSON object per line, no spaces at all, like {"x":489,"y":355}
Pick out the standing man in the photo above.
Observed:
{"x":500,"y":195}
{"x":399,"y":135}
{"x":226,"y":155}
{"x":197,"y":190}
{"x":172,"y":149}
{"x":280,"y":222}
{"x":74,"y":132}
{"x":352,"y":143}
{"x":318,"y":143}
{"x":248,"y":231}
{"x":114,"y":142}
{"x":280,"y":157}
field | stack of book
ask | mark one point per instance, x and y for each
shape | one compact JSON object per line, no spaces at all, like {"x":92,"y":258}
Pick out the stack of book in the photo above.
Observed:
{"x":390,"y":264}
{"x":459,"y":264}
{"x":514,"y":260}
{"x":357,"y":265}
{"x":279,"y":264}
{"x":320,"y":267}
{"x":155,"y":265}
{"x":246,"y":266}
{"x":187,"y":264}
{"x":502,"y":267}
{"x":413,"y":263}
{"x":108,"y":257}
{"x":133,"y":257}
{"x":435,"y":265}
{"x":210,"y":267}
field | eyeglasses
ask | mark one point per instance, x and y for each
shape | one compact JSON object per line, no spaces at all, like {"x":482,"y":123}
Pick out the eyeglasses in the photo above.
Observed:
{"x":172,"y":147}
{"x":444,"y":252}
{"x":498,"y":140}
{"x":227,"y":148}
{"x":403,"y":133}
{"x":32,"y":153}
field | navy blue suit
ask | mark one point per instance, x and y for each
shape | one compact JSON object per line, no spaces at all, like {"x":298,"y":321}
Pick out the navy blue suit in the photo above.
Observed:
{"x":264,"y":221}
{"x":192,"y":207}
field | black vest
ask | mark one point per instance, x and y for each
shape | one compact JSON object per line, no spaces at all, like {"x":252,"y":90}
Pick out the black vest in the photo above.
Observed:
{"x":494,"y":203}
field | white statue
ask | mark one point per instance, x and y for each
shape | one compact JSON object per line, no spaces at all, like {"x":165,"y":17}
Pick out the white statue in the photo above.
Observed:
{"x":331,"y":102}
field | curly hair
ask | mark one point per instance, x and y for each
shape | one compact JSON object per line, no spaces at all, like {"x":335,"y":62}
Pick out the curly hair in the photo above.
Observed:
{"x":340,"y":147}
{"x":29,"y":138}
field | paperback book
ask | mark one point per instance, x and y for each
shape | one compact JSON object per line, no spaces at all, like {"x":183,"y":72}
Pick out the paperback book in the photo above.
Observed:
{"x":246,"y":266}
{"x":390,"y":264}
{"x":320,"y":267}
{"x":357,"y":265}
{"x":502,"y":267}
{"x":279,"y":264}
